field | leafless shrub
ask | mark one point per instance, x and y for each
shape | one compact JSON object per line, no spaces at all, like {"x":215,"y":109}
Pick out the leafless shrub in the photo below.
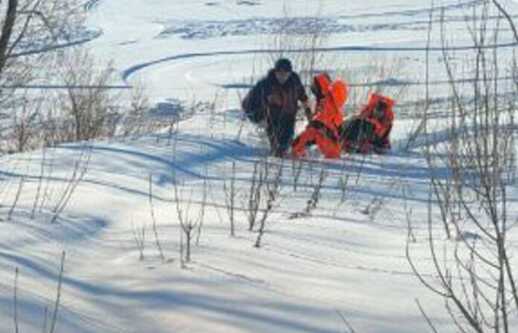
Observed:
{"x":271,"y":195}
{"x":153,"y":219}
{"x":314,"y":199}
{"x":508,"y":18}
{"x":188,"y":220}
{"x":48,"y":327}
{"x":46,"y":172}
{"x":58,"y":294}
{"x":301,"y":46}
{"x":317,"y":192}
{"x":16,"y":198}
{"x":373,"y":208}
{"x":85,"y":108}
{"x":378,"y":74}
{"x":471,"y":175}
{"x":408,"y":215}
{"x":38,"y":193}
{"x":80,"y":169}
{"x":29,"y":28}
{"x":139,"y":235}
{"x":296,"y":168}
{"x":426,"y":317}
{"x":204,"y":200}
{"x":25,"y":117}
{"x":343,"y":186}
{"x":134,"y":120}
{"x":45,"y":319}
{"x":15,"y":317}
{"x":422,"y":125}
{"x":350,"y":329}
{"x":182,"y":250}
{"x":231,"y":194}
{"x":51,"y":197}
{"x":255,"y":194}
{"x":360,"y":169}
{"x":343,"y":183}
{"x":90,"y":108}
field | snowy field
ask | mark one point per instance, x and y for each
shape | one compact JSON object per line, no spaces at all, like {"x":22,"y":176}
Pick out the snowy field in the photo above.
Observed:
{"x":343,"y":258}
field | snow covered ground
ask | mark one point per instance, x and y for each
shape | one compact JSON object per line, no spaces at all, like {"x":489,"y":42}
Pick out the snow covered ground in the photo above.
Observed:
{"x":344,"y":258}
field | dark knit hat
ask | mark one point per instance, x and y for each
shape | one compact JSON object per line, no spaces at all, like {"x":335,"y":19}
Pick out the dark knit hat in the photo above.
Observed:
{"x":283,"y":64}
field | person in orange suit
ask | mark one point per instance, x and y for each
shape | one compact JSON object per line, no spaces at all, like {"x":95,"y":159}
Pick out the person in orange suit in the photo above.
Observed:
{"x":370,"y":129}
{"x":323,"y":129}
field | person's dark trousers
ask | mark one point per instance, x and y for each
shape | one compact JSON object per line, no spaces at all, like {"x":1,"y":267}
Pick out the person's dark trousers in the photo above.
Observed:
{"x":280,"y":129}
{"x":382,"y":142}
{"x":357,"y":131}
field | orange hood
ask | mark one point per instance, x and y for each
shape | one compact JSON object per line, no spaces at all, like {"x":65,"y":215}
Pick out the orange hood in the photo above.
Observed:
{"x":335,"y":96}
{"x":322,"y":82}
{"x":339,"y":92}
{"x":375,"y":98}
{"x":338,"y":89}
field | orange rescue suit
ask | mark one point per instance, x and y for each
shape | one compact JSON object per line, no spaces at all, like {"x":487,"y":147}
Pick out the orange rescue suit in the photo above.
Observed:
{"x":323,"y":130}
{"x":382,"y":126}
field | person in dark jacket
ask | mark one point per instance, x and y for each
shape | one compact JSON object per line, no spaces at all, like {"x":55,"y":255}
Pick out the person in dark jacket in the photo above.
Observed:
{"x":275,"y":100}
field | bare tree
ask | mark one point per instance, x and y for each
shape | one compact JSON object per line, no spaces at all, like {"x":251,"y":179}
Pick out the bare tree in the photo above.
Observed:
{"x":508,"y":17}
{"x":471,"y":175}
{"x":31,"y":32}
{"x":89,"y":108}
{"x":188,"y":220}
{"x":7,"y":32}
{"x":29,"y":28}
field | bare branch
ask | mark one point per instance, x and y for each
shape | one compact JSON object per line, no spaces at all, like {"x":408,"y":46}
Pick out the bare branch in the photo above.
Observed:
{"x":507,"y":17}
{"x":7,"y":31}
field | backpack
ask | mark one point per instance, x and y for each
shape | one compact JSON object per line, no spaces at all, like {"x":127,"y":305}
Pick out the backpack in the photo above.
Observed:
{"x":253,"y":105}
{"x":356,"y":130}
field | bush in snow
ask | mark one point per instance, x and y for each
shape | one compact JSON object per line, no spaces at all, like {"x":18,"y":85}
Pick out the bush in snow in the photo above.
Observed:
{"x":472,"y":172}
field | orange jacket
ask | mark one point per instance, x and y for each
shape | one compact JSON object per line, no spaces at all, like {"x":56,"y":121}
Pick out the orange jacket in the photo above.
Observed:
{"x":329,"y":109}
{"x":383,"y":125}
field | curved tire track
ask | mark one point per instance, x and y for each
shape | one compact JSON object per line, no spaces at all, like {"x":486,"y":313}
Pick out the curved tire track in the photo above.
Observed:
{"x":84,"y":40}
{"x":126,"y":74}
{"x":409,"y":12}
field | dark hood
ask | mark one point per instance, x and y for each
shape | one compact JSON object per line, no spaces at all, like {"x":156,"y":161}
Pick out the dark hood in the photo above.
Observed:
{"x":273,"y":80}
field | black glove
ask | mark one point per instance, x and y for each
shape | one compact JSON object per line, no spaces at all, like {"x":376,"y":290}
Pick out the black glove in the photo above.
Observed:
{"x":308,"y":113}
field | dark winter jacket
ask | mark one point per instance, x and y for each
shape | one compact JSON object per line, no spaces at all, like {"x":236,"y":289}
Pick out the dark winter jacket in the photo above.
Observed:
{"x":269,"y":98}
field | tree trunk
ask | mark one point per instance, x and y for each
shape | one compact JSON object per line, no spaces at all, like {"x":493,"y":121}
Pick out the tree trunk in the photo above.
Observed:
{"x":7,"y":31}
